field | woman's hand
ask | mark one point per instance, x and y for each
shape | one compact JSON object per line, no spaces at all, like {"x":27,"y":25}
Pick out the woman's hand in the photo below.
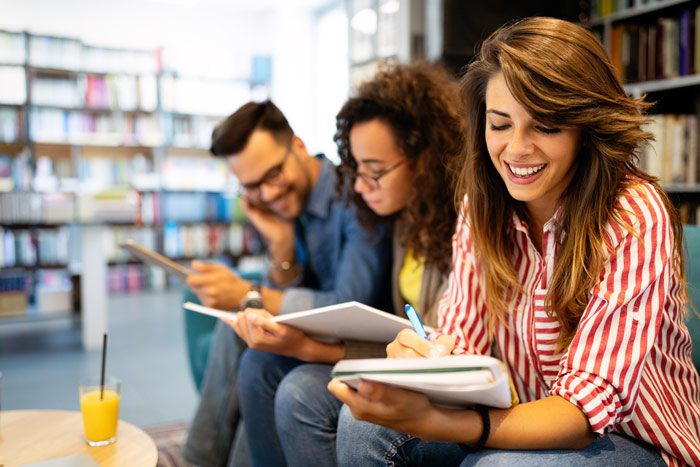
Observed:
{"x":256,"y":328}
{"x":401,"y":410}
{"x":408,"y":344}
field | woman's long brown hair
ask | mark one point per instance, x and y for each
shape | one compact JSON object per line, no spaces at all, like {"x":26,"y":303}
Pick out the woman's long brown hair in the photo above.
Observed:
{"x":420,"y":103}
{"x":561,"y":74}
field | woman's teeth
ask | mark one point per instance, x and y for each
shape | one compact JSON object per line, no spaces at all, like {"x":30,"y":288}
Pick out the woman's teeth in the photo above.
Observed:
{"x":526,"y":171}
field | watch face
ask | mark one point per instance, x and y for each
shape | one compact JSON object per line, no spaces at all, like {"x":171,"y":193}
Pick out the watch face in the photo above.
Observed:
{"x":252,"y":299}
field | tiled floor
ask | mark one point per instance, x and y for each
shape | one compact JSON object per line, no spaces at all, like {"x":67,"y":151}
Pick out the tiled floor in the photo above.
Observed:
{"x":146,"y":351}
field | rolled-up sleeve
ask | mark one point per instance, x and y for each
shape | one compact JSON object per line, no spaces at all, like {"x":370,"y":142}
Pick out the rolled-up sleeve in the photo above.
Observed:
{"x":601,"y":370}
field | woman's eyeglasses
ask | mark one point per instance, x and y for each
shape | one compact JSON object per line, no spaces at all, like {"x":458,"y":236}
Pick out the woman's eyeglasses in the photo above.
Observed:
{"x":372,"y":181}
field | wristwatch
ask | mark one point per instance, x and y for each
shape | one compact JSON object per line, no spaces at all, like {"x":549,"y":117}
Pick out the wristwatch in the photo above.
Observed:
{"x":252,"y":298}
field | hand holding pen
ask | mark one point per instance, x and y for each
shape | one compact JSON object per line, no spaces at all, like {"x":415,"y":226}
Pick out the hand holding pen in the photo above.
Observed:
{"x":415,"y":321}
{"x":416,"y":343}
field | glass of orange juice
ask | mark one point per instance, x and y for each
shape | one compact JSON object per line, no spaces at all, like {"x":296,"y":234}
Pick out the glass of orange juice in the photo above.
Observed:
{"x":100,"y":408}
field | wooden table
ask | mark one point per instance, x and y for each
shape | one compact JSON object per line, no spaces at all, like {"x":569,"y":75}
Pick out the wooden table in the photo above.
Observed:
{"x":28,"y":436}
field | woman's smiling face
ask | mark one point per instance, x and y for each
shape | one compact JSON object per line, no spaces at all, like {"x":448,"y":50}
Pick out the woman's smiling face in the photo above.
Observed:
{"x":535,"y":161}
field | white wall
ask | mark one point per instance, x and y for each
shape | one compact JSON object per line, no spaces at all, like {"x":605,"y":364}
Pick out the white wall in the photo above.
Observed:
{"x":331,"y":80}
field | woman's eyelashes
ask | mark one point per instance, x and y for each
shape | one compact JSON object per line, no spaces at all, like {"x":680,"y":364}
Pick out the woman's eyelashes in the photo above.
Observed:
{"x":542,"y":129}
{"x":493,"y":127}
{"x":547,"y":130}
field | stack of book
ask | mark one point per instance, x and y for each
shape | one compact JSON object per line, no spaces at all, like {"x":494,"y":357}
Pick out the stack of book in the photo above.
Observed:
{"x":673,"y":156}
{"x":666,"y":48}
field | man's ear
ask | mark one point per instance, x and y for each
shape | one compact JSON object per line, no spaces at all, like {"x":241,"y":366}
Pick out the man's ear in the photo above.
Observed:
{"x":298,"y":145}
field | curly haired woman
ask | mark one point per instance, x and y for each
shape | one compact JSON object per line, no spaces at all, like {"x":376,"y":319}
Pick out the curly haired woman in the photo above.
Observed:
{"x":567,"y":265}
{"x":398,"y":140}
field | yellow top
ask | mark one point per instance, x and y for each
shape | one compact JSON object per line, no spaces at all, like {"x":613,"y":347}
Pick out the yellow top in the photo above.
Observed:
{"x":410,"y":279}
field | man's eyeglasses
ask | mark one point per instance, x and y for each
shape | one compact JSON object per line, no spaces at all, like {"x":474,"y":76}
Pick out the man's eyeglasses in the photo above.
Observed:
{"x":273,"y":177}
{"x":372,"y":181}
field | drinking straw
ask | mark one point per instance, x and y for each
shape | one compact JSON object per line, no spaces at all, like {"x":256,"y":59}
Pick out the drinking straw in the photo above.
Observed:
{"x":102,"y":375}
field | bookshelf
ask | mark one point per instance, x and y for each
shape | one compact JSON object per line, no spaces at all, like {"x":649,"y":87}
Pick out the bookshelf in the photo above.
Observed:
{"x":655,"y":49}
{"x":101,"y":144}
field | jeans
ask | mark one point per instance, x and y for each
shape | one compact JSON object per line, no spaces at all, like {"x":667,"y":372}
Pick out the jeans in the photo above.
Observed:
{"x":259,"y":375}
{"x":366,"y":444}
{"x":210,"y":441}
{"x":307,"y":416}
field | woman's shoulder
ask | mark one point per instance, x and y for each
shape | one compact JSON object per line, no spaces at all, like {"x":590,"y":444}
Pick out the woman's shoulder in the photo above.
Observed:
{"x":639,"y":206}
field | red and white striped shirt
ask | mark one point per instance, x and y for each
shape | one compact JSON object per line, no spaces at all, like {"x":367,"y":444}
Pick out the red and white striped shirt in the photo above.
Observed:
{"x":628,"y":367}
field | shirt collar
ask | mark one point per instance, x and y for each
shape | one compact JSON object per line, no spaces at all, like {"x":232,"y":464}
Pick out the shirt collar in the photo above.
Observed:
{"x":549,"y":226}
{"x":323,"y":192}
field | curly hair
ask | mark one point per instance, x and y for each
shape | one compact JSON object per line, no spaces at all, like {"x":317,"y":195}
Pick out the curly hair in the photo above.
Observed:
{"x":560,"y":73}
{"x":420,"y":103}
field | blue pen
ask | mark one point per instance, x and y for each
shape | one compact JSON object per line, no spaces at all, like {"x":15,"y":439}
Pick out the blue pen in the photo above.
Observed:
{"x":415,"y":321}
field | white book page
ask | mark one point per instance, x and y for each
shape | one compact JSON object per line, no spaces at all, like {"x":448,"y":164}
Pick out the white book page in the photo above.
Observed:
{"x":350,"y":320}
{"x":205,"y":310}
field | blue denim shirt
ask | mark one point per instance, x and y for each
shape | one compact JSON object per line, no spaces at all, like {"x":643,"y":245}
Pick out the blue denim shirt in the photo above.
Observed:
{"x":344,"y":262}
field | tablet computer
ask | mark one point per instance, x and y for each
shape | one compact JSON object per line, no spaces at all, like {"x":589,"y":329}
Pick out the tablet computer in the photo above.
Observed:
{"x":155,"y":259}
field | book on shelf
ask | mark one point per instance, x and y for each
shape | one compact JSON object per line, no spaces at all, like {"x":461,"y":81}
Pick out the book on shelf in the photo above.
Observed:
{"x":200,"y":240}
{"x":14,"y":284}
{"x":54,"y":292}
{"x":12,"y":47}
{"x":6,"y":181}
{"x":123,"y":278}
{"x":11,"y":125}
{"x":112,"y":205}
{"x":12,"y":85}
{"x":146,"y":236}
{"x":661,"y":48}
{"x":455,"y":380}
{"x":54,"y":52}
{"x":673,"y":156}
{"x":689,"y":213}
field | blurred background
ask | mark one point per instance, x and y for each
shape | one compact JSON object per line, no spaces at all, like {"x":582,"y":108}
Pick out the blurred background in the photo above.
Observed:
{"x":106,"y":112}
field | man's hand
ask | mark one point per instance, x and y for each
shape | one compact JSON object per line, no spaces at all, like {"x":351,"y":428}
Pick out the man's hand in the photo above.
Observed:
{"x":217,"y":286}
{"x":275,"y":230}
{"x":408,"y":344}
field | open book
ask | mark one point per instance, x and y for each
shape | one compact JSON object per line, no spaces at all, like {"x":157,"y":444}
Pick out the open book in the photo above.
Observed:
{"x":349,"y":320}
{"x":455,"y":380}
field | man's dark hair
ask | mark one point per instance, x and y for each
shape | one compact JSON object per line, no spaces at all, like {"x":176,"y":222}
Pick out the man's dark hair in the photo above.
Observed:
{"x":231,"y":136}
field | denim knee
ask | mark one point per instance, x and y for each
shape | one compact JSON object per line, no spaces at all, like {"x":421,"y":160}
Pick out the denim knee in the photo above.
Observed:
{"x":253,"y":368}
{"x":303,"y":395}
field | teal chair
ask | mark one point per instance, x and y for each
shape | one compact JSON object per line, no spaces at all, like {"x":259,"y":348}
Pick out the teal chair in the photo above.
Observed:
{"x":198,"y":332}
{"x":692,"y":244}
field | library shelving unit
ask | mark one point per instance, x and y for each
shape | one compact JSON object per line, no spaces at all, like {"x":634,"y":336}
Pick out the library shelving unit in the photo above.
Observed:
{"x":98,"y":145}
{"x":655,"y":49}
